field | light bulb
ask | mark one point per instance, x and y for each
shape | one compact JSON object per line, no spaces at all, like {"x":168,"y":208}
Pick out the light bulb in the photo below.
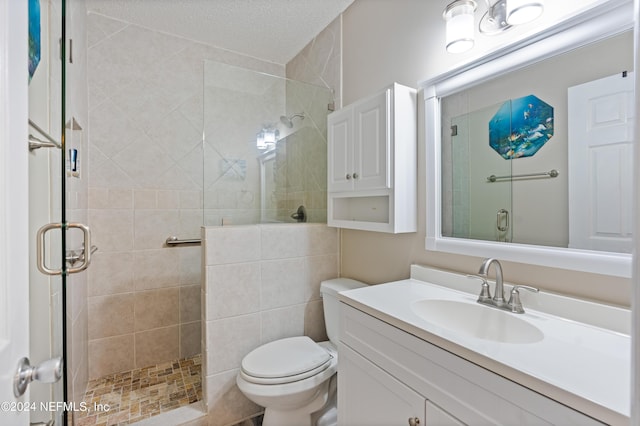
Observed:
{"x":523,"y":11}
{"x":460,"y":29}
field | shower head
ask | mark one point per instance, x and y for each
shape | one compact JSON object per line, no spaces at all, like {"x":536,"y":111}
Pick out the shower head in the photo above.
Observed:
{"x":288,"y":121}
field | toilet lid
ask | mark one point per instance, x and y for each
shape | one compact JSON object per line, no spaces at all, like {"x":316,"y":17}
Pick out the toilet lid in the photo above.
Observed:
{"x":285,"y":357}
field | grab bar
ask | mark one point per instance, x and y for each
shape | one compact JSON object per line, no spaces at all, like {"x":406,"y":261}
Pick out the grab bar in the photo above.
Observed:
{"x":174,"y":241}
{"x":35,"y":143}
{"x":551,"y":174}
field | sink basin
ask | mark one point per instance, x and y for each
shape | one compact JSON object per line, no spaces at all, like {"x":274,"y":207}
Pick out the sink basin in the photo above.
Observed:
{"x":475,"y":320}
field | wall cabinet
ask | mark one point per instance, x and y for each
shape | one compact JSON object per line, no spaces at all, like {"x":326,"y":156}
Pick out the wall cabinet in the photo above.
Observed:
{"x":389,"y":377}
{"x":372,"y":163}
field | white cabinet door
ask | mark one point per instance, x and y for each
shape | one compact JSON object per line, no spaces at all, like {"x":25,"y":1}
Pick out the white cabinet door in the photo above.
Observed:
{"x":340,"y":151}
{"x":372,"y":142}
{"x":436,"y":416}
{"x":369,"y":396}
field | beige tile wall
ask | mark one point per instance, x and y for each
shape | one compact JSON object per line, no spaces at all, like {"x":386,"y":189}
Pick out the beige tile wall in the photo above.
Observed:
{"x":261,"y":283}
{"x":145,"y":120}
{"x":250,"y":294}
{"x":304,"y":180}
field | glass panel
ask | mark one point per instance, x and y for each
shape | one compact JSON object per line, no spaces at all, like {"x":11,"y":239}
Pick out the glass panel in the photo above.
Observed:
{"x":46,"y":199}
{"x":264,"y":147}
{"x":475,"y":205}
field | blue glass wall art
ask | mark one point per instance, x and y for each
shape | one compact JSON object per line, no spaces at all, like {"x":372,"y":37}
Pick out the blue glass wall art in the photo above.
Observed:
{"x":34,"y":36}
{"x":521,"y":127}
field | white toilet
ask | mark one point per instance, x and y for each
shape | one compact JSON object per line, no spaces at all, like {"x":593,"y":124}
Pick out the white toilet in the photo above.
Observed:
{"x":295,"y":378}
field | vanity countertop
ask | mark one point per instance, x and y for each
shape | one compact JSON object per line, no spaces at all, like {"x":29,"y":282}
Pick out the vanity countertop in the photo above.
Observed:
{"x":584,"y":366}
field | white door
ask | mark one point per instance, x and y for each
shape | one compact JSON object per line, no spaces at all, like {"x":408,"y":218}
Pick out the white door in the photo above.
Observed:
{"x":14,"y":250}
{"x":601,"y":115}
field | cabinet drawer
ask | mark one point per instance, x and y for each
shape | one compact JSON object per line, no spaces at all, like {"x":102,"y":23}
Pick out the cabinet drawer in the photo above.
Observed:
{"x":472,"y":394}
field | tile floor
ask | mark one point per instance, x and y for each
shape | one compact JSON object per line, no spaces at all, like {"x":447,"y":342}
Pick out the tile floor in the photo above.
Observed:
{"x":131,"y":396}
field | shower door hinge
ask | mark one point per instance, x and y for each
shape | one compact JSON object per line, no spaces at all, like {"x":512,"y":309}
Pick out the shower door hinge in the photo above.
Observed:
{"x":454,"y":130}
{"x":70,"y":50}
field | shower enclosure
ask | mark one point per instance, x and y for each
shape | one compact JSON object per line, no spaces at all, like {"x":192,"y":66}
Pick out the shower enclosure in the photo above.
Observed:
{"x":169,"y":156}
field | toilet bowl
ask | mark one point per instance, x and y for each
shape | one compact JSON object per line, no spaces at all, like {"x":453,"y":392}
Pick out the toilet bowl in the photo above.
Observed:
{"x":294,"y":378}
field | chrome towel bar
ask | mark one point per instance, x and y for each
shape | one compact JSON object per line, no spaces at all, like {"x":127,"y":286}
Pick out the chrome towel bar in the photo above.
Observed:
{"x":174,"y":241}
{"x":550,"y":174}
{"x":35,"y":143}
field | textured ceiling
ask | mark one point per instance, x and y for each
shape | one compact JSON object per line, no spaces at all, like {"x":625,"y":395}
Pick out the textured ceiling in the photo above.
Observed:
{"x":271,"y":30}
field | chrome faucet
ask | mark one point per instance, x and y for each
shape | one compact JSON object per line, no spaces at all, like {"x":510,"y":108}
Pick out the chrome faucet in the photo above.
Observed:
{"x":513,"y":305}
{"x":498,"y":295}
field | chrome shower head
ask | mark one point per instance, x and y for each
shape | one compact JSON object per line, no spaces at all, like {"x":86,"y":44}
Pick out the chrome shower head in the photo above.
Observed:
{"x":288,"y":121}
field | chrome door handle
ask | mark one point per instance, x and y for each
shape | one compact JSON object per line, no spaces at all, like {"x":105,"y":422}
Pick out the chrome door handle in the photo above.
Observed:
{"x":87,"y":248}
{"x":502,"y":213}
{"x":41,"y":251}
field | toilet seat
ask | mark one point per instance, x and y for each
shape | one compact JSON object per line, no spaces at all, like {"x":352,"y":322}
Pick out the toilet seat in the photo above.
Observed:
{"x":285,"y":361}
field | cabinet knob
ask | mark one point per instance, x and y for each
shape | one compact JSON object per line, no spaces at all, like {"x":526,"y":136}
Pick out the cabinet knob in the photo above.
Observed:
{"x":355,"y":176}
{"x":348,"y":176}
{"x":414,"y":421}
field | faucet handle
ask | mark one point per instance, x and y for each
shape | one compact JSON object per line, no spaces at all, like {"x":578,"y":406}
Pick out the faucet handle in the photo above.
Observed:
{"x":514,"y":304}
{"x":485,"y":292}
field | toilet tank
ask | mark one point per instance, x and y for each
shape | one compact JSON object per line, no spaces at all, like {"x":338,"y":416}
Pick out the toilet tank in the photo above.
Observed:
{"x":329,"y":291}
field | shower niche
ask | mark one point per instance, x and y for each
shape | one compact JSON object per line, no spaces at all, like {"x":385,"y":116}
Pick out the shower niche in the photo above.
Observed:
{"x":372,"y":163}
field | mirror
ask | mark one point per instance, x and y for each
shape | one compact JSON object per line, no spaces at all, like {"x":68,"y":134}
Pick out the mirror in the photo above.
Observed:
{"x":510,"y":170}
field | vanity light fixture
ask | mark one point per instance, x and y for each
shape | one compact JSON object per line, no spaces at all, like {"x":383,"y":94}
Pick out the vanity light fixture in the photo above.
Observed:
{"x":500,"y":16}
{"x":460,"y":25}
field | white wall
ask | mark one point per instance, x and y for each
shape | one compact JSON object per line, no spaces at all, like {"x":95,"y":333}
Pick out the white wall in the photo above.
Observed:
{"x":403,"y":41}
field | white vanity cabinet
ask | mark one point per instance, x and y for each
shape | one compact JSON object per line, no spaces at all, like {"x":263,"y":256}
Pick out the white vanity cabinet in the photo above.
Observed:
{"x":372,"y":163}
{"x":373,"y":397}
{"x":389,"y":377}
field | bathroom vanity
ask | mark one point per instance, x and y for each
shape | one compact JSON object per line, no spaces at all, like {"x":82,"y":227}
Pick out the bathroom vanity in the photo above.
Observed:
{"x":422,"y":351}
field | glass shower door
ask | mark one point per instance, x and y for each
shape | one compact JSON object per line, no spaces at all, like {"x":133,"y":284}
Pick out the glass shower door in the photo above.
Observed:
{"x":60,"y":243}
{"x":46,"y":205}
{"x":481,"y":190}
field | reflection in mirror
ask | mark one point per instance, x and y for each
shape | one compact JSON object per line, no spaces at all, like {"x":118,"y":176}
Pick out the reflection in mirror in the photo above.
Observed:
{"x":529,"y":151}
{"x":518,"y":127}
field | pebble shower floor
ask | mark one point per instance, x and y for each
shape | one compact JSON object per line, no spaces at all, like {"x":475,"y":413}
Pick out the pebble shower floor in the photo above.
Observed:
{"x":138,"y":394}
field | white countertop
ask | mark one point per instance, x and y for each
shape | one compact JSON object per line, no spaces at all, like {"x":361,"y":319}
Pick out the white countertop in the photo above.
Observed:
{"x":581,"y":365}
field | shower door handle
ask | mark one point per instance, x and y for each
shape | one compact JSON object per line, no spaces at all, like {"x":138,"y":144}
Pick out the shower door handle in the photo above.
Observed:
{"x":41,"y":251}
{"x":502,"y":213}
